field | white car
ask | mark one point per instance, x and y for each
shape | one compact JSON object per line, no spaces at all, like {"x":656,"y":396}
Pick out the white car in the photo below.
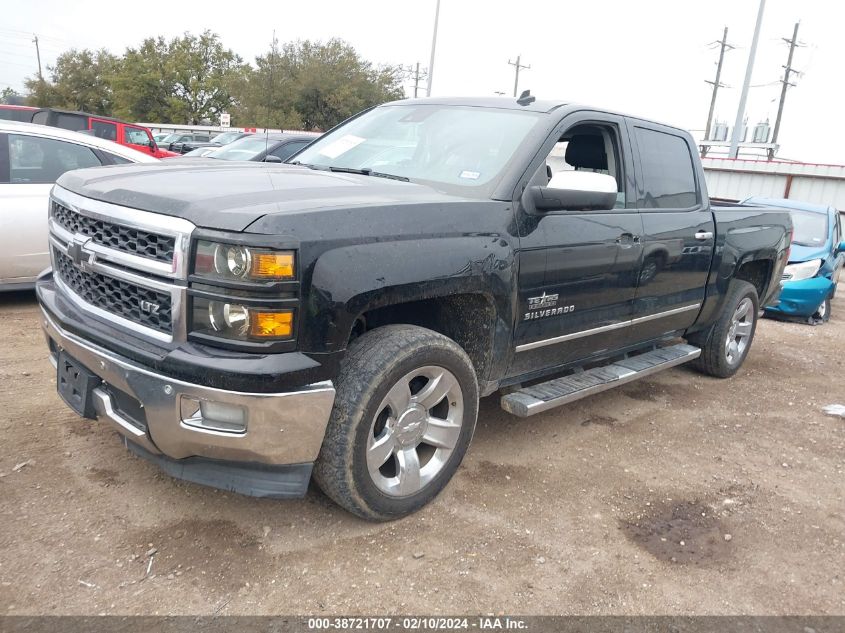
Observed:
{"x":32,"y":157}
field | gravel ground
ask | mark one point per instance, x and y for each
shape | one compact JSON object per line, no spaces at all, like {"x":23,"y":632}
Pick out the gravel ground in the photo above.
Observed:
{"x":678,"y":494}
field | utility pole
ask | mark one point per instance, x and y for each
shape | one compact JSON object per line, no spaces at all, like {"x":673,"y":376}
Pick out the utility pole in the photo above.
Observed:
{"x":517,"y":66}
{"x":417,"y":76}
{"x":749,"y":70}
{"x":38,"y":55}
{"x":716,"y":83}
{"x":433,"y":47}
{"x":785,"y":81}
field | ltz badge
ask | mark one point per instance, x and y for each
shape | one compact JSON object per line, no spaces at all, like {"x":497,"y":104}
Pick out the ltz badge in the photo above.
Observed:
{"x":545,"y":306}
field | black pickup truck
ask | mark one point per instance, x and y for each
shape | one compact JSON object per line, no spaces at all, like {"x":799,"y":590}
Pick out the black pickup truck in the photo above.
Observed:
{"x":246,"y":325}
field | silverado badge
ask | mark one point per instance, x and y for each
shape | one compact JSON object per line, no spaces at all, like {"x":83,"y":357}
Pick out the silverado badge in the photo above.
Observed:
{"x":544,"y":306}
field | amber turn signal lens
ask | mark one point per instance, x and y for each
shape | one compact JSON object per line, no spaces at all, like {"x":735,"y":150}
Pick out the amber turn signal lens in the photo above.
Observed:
{"x":272,"y":265}
{"x":271,"y":324}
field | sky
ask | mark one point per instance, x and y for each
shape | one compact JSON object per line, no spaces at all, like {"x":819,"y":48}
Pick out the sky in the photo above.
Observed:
{"x":644,"y":57}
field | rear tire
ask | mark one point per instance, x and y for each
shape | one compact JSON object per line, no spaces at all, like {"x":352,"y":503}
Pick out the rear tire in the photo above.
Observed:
{"x":403,"y":418}
{"x":725,"y":345}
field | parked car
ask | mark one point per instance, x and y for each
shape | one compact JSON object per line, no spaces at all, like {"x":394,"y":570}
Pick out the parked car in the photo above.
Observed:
{"x":22,"y":114}
{"x":817,"y":255}
{"x":129,"y":134}
{"x":175,"y":141}
{"x":275,"y":147}
{"x":332,"y":317}
{"x":32,"y":157}
{"x":200,"y":151}
{"x":217,"y":141}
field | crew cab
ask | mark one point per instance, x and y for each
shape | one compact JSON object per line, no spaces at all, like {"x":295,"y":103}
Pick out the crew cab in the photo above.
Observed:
{"x":247,"y":325}
{"x":131,"y":135}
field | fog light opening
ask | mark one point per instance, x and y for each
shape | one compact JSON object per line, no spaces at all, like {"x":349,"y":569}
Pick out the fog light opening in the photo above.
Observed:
{"x":213,"y":416}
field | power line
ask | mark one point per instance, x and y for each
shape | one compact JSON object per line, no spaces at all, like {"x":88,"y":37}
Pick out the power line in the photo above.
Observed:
{"x":517,"y":66}
{"x":723,"y":46}
{"x":786,"y":84}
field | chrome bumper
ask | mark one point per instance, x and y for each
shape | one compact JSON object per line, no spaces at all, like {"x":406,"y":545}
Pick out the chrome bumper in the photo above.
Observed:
{"x":281,"y":428}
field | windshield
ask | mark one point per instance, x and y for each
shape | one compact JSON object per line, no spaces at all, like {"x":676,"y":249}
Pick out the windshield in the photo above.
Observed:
{"x":226,"y":137}
{"x":437,"y":144}
{"x":246,"y":148}
{"x":171,"y":138}
{"x":810,"y":228}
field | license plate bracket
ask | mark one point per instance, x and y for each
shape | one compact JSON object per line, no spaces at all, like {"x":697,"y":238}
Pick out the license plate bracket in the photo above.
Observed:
{"x":75,"y":384}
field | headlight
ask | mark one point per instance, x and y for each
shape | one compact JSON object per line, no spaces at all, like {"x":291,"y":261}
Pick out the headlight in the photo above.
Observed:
{"x":231,"y":320}
{"x":243,"y":263}
{"x":804,"y":270}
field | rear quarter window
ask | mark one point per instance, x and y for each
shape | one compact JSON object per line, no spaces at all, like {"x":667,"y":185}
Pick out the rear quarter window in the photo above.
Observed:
{"x":668,"y":175}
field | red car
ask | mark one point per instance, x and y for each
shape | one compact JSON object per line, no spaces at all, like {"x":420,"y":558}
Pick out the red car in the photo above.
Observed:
{"x":121,"y":132}
{"x":20,"y":113}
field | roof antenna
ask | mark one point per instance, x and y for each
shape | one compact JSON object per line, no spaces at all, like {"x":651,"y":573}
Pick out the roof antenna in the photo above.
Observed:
{"x":525,"y":98}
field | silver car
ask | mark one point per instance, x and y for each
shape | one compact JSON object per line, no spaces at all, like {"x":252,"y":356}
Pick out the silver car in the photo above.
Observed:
{"x":32,"y":157}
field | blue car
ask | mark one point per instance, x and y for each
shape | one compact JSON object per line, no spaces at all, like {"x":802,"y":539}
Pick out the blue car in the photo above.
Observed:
{"x":815,"y":259}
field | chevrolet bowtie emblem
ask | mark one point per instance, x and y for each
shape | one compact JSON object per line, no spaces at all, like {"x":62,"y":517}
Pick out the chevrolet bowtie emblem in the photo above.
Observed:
{"x":76,"y":251}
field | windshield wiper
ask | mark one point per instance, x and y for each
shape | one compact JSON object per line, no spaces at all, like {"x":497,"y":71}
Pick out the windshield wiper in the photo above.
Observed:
{"x":366,"y":171}
{"x":308,"y":165}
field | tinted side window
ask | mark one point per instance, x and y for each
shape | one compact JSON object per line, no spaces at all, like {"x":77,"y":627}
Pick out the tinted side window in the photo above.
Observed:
{"x":668,"y":174}
{"x":71,"y":122}
{"x":104,"y":129}
{"x":43,"y":160}
{"x":288,"y":149}
{"x":117,"y":160}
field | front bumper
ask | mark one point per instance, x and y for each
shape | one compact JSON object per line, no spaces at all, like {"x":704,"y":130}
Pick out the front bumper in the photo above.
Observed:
{"x":802,"y":298}
{"x":283,"y":435}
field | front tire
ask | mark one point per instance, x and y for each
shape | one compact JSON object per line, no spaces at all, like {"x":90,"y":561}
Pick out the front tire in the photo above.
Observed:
{"x":725,"y":345}
{"x":404,"y":415}
{"x":822,"y":315}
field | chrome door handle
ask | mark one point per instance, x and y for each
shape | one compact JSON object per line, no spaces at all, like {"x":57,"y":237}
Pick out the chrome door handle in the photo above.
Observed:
{"x":704,"y":235}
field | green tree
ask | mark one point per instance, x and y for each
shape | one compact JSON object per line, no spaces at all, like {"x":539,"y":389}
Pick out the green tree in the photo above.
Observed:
{"x":80,"y":80}
{"x":143,"y":83}
{"x":201,"y":70}
{"x":10,"y":96}
{"x":312,"y":85}
{"x":333,"y":82}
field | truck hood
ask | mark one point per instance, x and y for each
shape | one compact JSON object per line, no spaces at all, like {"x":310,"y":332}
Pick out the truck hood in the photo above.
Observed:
{"x":231,"y":196}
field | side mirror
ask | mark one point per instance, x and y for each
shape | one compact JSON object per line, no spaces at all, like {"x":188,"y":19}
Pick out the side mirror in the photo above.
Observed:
{"x":576,"y":191}
{"x":270,"y":158}
{"x":841,"y":247}
{"x":153,"y":146}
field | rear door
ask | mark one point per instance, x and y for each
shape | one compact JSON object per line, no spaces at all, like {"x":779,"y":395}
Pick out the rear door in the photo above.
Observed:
{"x":103,"y":129}
{"x":678,"y":232}
{"x":29,"y":165}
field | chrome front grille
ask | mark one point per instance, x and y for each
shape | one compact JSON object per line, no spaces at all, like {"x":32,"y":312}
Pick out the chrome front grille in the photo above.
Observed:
{"x":126,"y":267}
{"x":115,"y":296}
{"x":121,"y":238}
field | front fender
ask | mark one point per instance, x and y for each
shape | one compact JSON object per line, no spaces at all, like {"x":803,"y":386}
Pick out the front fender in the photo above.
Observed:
{"x":350,"y":280}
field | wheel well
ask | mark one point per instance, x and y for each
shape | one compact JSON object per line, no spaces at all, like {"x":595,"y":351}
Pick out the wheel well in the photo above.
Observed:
{"x":467,"y":319}
{"x":757,"y":273}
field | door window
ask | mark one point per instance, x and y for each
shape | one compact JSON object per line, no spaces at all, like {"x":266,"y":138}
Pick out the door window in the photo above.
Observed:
{"x":135,"y":136}
{"x":43,"y":160}
{"x":592,"y":148}
{"x":104,"y":129}
{"x":668,"y":179}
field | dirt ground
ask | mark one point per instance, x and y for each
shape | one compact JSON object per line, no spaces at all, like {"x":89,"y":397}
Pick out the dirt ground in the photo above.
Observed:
{"x":681,"y":494}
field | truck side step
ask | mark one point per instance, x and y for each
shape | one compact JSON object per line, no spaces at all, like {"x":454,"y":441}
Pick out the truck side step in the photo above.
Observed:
{"x":548,"y":395}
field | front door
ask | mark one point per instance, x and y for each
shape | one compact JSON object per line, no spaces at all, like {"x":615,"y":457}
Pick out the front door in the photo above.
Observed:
{"x":578,"y":270}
